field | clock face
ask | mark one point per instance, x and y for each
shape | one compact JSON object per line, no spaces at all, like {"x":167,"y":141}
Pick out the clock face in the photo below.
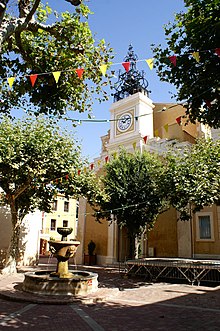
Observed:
{"x":124,"y":122}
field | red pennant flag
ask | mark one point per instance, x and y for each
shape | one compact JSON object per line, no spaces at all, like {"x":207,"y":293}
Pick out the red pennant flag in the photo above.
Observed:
{"x":80,"y":72}
{"x":208,"y":103}
{"x":33,"y":79}
{"x":79,"y":172}
{"x":91,"y":166}
{"x":178,"y":120}
{"x":145,"y":139}
{"x":106,"y":159}
{"x":173,"y":59}
{"x":67,"y":176}
{"x":217,"y":51}
{"x":126,"y":65}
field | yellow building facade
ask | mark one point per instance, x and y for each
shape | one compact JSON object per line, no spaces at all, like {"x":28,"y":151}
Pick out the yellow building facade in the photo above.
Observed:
{"x":64,"y":214}
{"x":153,"y":127}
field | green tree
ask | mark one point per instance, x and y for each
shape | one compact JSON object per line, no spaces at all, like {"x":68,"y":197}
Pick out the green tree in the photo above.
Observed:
{"x":197,"y":83}
{"x":134,"y":190}
{"x":193,"y":177}
{"x":29,"y":45}
{"x":38,"y":160}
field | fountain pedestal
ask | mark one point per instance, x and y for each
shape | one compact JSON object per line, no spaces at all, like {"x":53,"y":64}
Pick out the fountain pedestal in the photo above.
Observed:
{"x":61,"y":281}
{"x":63,"y":251}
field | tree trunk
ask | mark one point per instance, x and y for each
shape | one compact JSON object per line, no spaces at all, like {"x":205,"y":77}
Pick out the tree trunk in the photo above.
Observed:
{"x":134,"y":246}
{"x":137,"y":245}
{"x":13,"y":250}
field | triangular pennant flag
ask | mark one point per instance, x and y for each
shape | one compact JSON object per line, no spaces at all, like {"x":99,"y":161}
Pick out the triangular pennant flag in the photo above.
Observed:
{"x":103,"y":69}
{"x":156,"y":133}
{"x":150,"y":63}
{"x":173,"y":59}
{"x":166,"y":126}
{"x":85,"y":170}
{"x":92,"y":166}
{"x":56,"y":75}
{"x":99,"y":162}
{"x":11,"y":81}
{"x":134,"y":145}
{"x":178,"y":120}
{"x":126,"y":65}
{"x":145,"y":139}
{"x":33,"y":79}
{"x":79,"y":72}
{"x":196,"y":56}
{"x":208,"y":103}
{"x":217,"y":51}
{"x":67,"y":177}
{"x":114,"y":155}
{"x":79,"y":172}
{"x":106,"y":159}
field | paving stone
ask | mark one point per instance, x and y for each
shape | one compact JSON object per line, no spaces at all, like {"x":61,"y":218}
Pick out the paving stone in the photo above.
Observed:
{"x":120,"y":304}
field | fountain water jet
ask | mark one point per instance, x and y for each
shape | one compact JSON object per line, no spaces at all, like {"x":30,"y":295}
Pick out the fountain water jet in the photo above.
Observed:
{"x":61,"y":281}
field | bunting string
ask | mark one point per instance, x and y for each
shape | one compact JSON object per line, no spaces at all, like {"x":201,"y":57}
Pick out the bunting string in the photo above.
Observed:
{"x":103,"y":67}
{"x":94,"y":120}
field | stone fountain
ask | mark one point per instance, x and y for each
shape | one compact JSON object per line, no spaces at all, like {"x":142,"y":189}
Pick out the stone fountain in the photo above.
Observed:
{"x":62,"y":281}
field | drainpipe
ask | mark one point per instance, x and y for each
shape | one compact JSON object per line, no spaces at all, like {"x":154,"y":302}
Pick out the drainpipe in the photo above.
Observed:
{"x":192,"y":232}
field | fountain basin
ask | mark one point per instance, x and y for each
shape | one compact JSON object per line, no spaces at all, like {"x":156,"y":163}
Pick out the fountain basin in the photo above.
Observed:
{"x":41,"y":282}
{"x":64,"y":232}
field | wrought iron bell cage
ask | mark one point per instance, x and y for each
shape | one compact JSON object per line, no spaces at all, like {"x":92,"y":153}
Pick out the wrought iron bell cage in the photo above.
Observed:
{"x":132,"y":81}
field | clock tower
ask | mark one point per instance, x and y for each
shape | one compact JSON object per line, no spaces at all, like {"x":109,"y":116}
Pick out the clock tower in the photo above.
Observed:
{"x":132,"y":110}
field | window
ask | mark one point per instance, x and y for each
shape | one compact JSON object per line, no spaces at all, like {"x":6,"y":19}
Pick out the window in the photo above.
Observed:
{"x":65,"y":224}
{"x":53,"y":225}
{"x":54,"y":205}
{"x":66,"y":206}
{"x":77,"y":210}
{"x":204,"y":226}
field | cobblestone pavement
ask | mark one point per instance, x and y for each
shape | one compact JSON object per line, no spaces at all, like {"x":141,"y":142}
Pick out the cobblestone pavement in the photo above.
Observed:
{"x":120,"y":304}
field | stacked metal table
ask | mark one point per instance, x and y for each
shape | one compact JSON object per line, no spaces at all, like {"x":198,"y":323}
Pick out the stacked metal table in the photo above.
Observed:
{"x":176,"y":269}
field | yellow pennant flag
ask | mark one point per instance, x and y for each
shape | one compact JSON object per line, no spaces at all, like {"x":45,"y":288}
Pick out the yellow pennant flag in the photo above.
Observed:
{"x":11,"y":81}
{"x":150,"y":63}
{"x":134,"y":145}
{"x":85,"y":170}
{"x":99,"y":162}
{"x":166,"y":126}
{"x":156,"y":133}
{"x":103,"y":69}
{"x":56,"y":75}
{"x":114,"y":155}
{"x":196,"y":56}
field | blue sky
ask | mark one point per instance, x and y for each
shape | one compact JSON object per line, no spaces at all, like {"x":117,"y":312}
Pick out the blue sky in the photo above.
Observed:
{"x":120,"y":23}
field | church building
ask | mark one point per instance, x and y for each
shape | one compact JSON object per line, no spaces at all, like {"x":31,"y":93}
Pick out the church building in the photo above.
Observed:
{"x":137,"y":122}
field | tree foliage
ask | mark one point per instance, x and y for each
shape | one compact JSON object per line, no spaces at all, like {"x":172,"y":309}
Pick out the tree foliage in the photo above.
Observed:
{"x":31,"y":44}
{"x":197,"y":83}
{"x":38,"y":160}
{"x":133,"y":185}
{"x":193,"y":177}
{"x":138,"y":187}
